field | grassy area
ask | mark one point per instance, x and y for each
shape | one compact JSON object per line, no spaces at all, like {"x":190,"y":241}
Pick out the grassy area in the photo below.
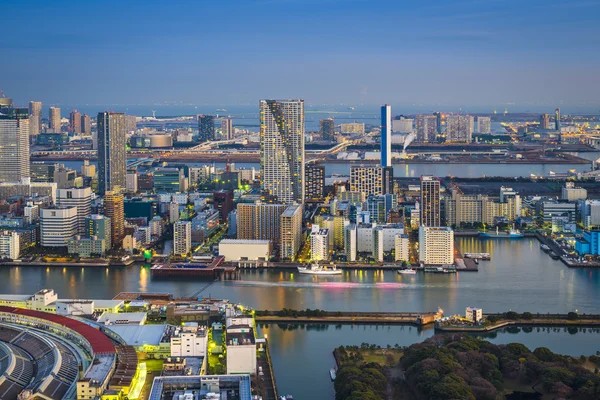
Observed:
{"x":382,"y":356}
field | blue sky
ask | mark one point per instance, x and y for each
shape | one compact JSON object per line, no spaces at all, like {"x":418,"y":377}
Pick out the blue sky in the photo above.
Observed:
{"x":468,"y":53}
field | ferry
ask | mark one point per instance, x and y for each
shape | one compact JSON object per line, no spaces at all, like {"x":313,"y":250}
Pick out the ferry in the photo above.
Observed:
{"x":513,"y":234}
{"x":316,"y":269}
{"x":545,"y":248}
{"x":332,"y":374}
{"x":407,"y":271}
{"x":478,"y":256}
{"x":441,"y":270}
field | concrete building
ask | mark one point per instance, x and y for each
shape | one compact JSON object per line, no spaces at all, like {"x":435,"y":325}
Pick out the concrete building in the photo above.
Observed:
{"x":182,"y":237}
{"x":430,"y":201}
{"x":544,"y":121}
{"x":199,"y":387}
{"x":190,"y":340}
{"x":572,"y":193}
{"x":227,"y":128}
{"x":557,"y":208}
{"x":132,"y":182}
{"x":259,"y":221}
{"x":75,"y":122}
{"x":291,"y":231}
{"x":206,"y":128}
{"x":168,"y":180}
{"x":115,"y":210}
{"x":474,"y":314}
{"x":112,"y":149}
{"x":58,"y":226}
{"x":426,"y":128}
{"x":14,"y":144}
{"x":282,"y":149}
{"x":87,"y":246}
{"x":459,"y":128}
{"x":402,"y":248}
{"x":35,"y":118}
{"x":54,"y":119}
{"x":366,"y":179}
{"x":327,"y":129}
{"x":241,"y":350}
{"x":589,"y":211}
{"x":315,"y":182}
{"x":402,"y":125}
{"x":557,"y":119}
{"x":86,"y":124}
{"x":484,"y":125}
{"x":589,"y":243}
{"x":241,"y":249}
{"x":10,"y":245}
{"x":352,"y":128}
{"x":100,"y":227}
{"x":80,"y":198}
{"x":436,"y":245}
{"x":319,"y":244}
{"x":350,"y":245}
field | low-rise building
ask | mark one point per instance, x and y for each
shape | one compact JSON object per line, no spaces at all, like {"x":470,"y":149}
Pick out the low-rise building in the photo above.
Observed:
{"x":241,"y":350}
{"x":242,"y":249}
{"x":189,"y":341}
{"x":474,"y":314}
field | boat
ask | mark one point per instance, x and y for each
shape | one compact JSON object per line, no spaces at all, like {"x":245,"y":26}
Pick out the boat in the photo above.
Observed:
{"x":512,"y":234}
{"x":479,"y":256}
{"x":316,"y":269}
{"x":441,"y":270}
{"x":407,"y":271}
{"x":476,"y":261}
{"x":545,"y":248}
{"x":332,"y":374}
{"x":554,"y":256}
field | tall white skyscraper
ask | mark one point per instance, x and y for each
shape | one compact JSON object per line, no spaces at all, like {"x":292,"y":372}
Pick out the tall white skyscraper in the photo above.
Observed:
{"x":14,"y":144}
{"x":282,"y":149}
{"x":386,"y":136}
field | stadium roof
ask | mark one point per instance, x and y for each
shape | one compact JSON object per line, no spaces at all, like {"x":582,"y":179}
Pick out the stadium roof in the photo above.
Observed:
{"x":99,"y":341}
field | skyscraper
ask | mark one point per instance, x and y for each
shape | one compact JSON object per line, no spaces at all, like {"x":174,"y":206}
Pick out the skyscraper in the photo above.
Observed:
{"x":327,"y":129}
{"x":438,"y":121}
{"x":459,"y":128}
{"x":114,"y":208}
{"x":291,"y":231}
{"x":386,"y":135}
{"x":314,"y":182}
{"x":112,"y":152}
{"x":35,"y":117}
{"x":206,"y":128}
{"x":227,"y":128}
{"x":75,"y":122}
{"x":430,"y":201}
{"x":557,"y":119}
{"x":282,"y":149}
{"x":366,"y":179}
{"x":426,"y":128}
{"x":182,"y":237}
{"x":484,"y":125}
{"x":86,"y":124}
{"x":14,"y":144}
{"x":54,"y":119}
{"x":80,"y":198}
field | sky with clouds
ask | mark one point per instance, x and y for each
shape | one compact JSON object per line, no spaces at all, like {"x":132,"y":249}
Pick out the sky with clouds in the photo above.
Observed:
{"x":528,"y":53}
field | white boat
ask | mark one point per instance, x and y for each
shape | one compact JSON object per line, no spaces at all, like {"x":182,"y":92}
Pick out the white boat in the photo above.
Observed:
{"x":332,"y":374}
{"x":316,"y":269}
{"x":407,"y":271}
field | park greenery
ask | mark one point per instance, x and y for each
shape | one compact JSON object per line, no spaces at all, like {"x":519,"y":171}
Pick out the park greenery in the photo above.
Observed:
{"x":464,"y":367}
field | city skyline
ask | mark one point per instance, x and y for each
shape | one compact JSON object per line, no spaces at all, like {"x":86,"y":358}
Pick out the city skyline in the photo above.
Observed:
{"x":452,"y":54}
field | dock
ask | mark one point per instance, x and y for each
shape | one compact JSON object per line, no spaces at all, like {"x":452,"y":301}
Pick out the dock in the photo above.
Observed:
{"x":561,"y":254}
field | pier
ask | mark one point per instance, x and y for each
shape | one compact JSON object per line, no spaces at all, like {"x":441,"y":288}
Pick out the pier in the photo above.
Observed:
{"x":591,"y":320}
{"x":338,"y":317}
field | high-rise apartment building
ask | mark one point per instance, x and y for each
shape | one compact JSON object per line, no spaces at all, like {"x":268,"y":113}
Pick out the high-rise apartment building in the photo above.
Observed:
{"x":438,"y":121}
{"x":459,"y":128}
{"x":259,"y":221}
{"x":350,"y":245}
{"x":206,"y":128}
{"x":282,"y":149}
{"x":75,"y":122}
{"x":386,"y":136}
{"x":545,"y":121}
{"x":436,"y":245}
{"x":114,"y":209}
{"x":426,"y":128}
{"x":291,"y":231}
{"x":81,"y":198}
{"x":319,"y":243}
{"x":58,"y":225}
{"x":35,"y":117}
{"x":314,"y":188}
{"x":557,"y":119}
{"x":430,"y":201}
{"x":327,"y":129}
{"x":54,"y":119}
{"x":227,"y":128}
{"x":14,"y":144}
{"x":484,"y":125}
{"x":86,"y":124}
{"x":401,"y":124}
{"x":99,"y":226}
{"x":182,"y":237}
{"x":130,"y":123}
{"x":112,"y":152}
{"x":366,"y":179}
{"x":402,"y":248}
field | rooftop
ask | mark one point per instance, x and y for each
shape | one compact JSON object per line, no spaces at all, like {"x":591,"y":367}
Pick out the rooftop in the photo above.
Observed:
{"x":290,"y":210}
{"x":138,"y":335}
{"x":244,"y":241}
{"x":122,"y":318}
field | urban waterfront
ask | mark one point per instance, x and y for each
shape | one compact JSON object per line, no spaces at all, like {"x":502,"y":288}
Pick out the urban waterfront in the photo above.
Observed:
{"x":519,"y":277}
{"x":304,"y":353}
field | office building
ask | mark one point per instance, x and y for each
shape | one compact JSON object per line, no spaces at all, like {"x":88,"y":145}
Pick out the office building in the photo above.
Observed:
{"x":86,"y":124}
{"x":350,"y":245}
{"x":112,"y":152}
{"x":557,"y":119}
{"x":426,"y":128}
{"x":430,"y":201}
{"x":291,"y":231}
{"x":10,"y":245}
{"x":545,"y":121}
{"x":202,"y":386}
{"x":383,"y":238}
{"x":366,"y":179}
{"x":436,"y":245}
{"x":553,"y":208}
{"x":402,"y":248}
{"x":182,"y":237}
{"x":114,"y":209}
{"x":327,"y":129}
{"x":75,"y":122}
{"x":35,"y":118}
{"x":589,"y":211}
{"x":282,"y":149}
{"x":98,"y":226}
{"x":80,"y":198}
{"x":206,"y":128}
{"x":259,"y":221}
{"x":459,"y":128}
{"x":54,"y":119}
{"x":319,"y":244}
{"x":168,"y":180}
{"x":14,"y":144}
{"x":314,"y":188}
{"x":58,"y":226}
{"x":132,"y":181}
{"x":386,"y":136}
{"x":223,"y":202}
{"x":572,"y":193}
{"x":484,"y":125}
{"x":227,"y":128}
